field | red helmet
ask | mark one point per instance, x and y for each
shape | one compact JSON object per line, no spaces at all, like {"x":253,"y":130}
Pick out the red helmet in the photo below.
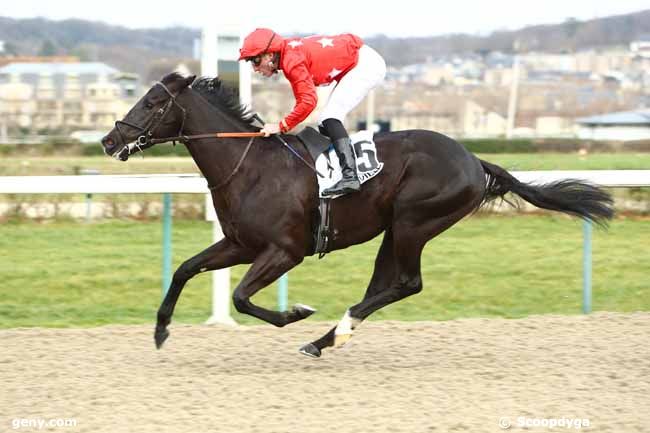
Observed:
{"x":261,"y":41}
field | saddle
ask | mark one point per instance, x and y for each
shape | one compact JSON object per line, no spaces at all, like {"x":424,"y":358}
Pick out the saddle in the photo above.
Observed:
{"x":328,"y":170}
{"x":315,"y":142}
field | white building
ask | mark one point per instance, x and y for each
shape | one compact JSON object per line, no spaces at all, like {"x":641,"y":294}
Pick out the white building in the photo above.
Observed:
{"x":621,"y":126}
{"x":65,"y":95}
{"x":641,"y":47}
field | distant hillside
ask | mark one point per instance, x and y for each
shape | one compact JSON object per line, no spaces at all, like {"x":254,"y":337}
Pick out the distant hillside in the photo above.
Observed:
{"x":572,"y":35}
{"x":127,"y":49}
{"x":135,"y":50}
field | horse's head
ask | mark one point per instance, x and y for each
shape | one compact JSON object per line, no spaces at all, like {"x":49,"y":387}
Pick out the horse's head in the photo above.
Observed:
{"x":155,"y":115}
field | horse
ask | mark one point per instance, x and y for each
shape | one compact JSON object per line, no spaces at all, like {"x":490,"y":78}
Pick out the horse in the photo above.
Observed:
{"x":265,"y":198}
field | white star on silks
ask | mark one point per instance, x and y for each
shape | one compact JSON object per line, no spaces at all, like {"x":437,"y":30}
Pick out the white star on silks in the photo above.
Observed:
{"x":326,"y":42}
{"x":294,"y":44}
{"x":333,"y":73}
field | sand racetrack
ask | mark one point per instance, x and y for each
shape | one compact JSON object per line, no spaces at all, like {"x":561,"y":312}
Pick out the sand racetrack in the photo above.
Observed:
{"x":461,"y":375}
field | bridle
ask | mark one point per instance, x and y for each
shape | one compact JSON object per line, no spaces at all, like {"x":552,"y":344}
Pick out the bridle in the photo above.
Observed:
{"x":145,"y":139}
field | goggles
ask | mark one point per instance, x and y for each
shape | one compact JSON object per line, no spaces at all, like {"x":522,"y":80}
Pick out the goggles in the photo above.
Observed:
{"x":255,"y":60}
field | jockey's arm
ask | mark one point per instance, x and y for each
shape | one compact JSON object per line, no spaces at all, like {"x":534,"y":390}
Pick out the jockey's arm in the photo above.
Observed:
{"x":304,"y":91}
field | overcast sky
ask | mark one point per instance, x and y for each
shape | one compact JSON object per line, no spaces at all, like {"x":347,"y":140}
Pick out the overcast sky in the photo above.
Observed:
{"x":394,"y":18}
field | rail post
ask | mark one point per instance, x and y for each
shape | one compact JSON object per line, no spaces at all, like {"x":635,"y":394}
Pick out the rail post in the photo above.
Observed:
{"x":167,"y":244}
{"x":586,"y":266}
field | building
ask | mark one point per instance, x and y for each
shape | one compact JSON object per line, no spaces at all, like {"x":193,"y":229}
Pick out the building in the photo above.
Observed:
{"x":641,"y":47}
{"x":481,"y":121}
{"x":621,"y":126}
{"x":65,"y":96}
{"x":7,"y":59}
{"x":554,"y":126}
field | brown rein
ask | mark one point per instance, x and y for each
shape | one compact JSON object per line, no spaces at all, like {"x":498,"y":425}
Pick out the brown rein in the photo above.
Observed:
{"x":183,"y":138}
{"x":251,"y":135}
{"x":241,"y":160}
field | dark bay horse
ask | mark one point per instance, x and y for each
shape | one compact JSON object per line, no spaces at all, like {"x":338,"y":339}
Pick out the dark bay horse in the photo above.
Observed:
{"x":266,"y":199}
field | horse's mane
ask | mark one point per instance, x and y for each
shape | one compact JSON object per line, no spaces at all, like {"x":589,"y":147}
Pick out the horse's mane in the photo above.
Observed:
{"x":223,"y":97}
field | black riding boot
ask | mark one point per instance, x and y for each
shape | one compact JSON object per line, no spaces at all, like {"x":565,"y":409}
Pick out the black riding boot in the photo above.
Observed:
{"x":350,"y":181}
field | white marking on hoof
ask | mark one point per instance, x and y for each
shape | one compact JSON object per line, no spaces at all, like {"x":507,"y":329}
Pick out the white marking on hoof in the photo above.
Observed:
{"x":341,"y":339}
{"x":343,"y":331}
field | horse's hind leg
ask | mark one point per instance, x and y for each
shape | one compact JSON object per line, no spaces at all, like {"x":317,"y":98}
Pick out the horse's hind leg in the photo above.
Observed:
{"x":397,"y":274}
{"x":221,"y":255}
{"x":382,"y":276}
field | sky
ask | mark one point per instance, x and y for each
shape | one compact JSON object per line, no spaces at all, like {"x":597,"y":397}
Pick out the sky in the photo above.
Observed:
{"x":397,"y":18}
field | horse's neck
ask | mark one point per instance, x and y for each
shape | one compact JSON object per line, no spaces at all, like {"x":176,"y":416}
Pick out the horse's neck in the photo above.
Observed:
{"x":216,"y":158}
{"x":204,"y":118}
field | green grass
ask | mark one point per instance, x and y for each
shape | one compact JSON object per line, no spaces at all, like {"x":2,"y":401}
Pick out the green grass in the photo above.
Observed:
{"x":70,"y":165}
{"x":74,"y":274}
{"x":33,"y":166}
{"x":570,"y":161}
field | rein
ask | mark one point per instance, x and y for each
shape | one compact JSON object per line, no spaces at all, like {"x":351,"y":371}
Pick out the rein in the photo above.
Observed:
{"x":183,"y":138}
{"x":146,"y":138}
{"x":239,"y":163}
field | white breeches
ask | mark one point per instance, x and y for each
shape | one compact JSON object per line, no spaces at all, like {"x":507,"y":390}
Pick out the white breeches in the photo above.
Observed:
{"x":355,"y":85}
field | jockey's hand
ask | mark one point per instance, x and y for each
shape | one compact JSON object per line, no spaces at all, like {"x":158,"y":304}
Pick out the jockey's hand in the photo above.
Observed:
{"x":271,"y":128}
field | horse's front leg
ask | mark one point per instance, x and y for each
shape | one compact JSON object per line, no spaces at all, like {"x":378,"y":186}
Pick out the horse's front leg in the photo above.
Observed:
{"x":268,"y":267}
{"x":221,"y":255}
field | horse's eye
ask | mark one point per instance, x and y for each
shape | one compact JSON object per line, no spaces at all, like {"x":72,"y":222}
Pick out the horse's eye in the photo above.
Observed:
{"x":148,"y":105}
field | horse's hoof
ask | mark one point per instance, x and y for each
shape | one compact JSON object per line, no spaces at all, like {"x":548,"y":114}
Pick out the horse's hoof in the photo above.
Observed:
{"x":160,"y":336}
{"x":310,"y":350}
{"x":303,"y":311}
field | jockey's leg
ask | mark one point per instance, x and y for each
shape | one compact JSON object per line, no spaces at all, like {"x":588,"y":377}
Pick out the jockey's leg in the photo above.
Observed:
{"x":343,"y":146}
{"x":348,"y":93}
{"x":323,"y":131}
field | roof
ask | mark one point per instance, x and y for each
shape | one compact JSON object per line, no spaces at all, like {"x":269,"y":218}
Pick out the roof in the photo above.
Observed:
{"x":639,"y":117}
{"x":59,"y":68}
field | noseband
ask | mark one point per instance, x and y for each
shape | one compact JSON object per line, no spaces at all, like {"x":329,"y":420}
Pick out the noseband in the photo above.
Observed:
{"x":147,"y":131}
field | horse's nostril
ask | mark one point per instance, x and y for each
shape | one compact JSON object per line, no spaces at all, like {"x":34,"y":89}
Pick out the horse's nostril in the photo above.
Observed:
{"x":107,"y":141}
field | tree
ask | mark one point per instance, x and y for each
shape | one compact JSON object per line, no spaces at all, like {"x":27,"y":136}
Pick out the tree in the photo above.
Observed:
{"x":47,"y":49}
{"x":11,"y":49}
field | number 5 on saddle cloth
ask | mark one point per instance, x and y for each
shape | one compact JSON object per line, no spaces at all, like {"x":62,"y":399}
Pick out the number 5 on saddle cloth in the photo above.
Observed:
{"x":327,"y":163}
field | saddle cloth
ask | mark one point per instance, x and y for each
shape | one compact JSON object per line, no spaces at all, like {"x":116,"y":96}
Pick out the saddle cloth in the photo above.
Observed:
{"x":368,"y":164}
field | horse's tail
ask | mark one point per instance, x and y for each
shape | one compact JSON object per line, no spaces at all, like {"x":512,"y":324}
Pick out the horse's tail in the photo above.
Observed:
{"x":571,"y":196}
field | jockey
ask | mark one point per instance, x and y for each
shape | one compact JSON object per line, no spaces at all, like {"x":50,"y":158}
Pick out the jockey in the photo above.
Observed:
{"x":317,"y":61}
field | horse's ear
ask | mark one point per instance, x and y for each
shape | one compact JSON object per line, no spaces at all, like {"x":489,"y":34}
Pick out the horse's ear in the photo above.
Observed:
{"x":189,"y":80}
